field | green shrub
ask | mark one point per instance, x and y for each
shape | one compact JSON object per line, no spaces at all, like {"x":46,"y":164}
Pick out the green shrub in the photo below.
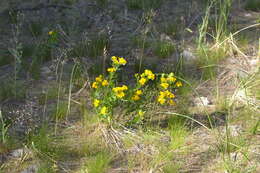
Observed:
{"x":253,"y":5}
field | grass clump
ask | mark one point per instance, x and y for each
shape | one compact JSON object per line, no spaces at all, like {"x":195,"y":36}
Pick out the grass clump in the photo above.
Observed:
{"x":98,"y":163}
{"x":164,"y":49}
{"x":91,"y":48}
{"x":208,"y":61}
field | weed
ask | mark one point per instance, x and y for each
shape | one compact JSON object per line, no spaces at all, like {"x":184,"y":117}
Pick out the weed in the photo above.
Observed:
{"x":70,"y":2}
{"x":164,"y":49}
{"x":99,"y":163}
{"x":143,"y":4}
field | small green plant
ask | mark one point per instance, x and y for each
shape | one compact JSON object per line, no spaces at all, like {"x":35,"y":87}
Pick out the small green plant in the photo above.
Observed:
{"x":102,"y":3}
{"x":45,"y":143}
{"x":253,"y":5}
{"x":107,"y":95}
{"x":164,"y":49}
{"x":12,"y":90}
{"x":36,"y":28}
{"x":4,"y":128}
{"x":5,"y":58}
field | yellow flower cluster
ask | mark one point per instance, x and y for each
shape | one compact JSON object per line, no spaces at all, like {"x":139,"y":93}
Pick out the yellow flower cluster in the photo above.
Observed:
{"x":118,"y":60}
{"x":137,"y":94}
{"x":103,"y":110}
{"x":99,"y":81}
{"x":170,"y":79}
{"x":96,"y":103}
{"x":111,"y":69}
{"x":147,"y":75}
{"x":119,"y":91}
{"x":166,"y":96}
{"x":51,"y":32}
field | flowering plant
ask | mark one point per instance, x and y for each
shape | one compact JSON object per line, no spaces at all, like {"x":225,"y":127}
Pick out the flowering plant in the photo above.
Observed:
{"x":108,"y":94}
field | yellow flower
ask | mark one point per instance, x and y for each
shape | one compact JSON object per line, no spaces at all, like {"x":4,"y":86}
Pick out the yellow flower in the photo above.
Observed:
{"x":99,"y":78}
{"x":124,"y":87}
{"x":141,"y":113}
{"x":149,"y":74}
{"x":137,"y":75}
{"x":103,"y":110}
{"x":142,"y":81}
{"x":161,"y":100}
{"x":122,"y":61}
{"x":136,"y":97}
{"x":171,"y":79}
{"x":112,"y":69}
{"x":178,"y":84}
{"x":164,"y":85}
{"x":50,"y":32}
{"x":116,"y":89}
{"x":104,"y":83}
{"x":169,"y":94}
{"x":115,"y":60}
{"x":95,"y":85}
{"x":172,"y":102}
{"x":163,"y":79}
{"x":138,"y":92}
{"x":162,"y":94}
{"x":120,"y":94}
{"x":96,"y":103}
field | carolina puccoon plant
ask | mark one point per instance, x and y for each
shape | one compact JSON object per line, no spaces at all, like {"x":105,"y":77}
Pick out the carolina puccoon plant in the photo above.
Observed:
{"x":107,"y":94}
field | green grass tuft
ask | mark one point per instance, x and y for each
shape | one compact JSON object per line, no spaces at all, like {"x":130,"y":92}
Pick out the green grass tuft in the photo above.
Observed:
{"x":143,"y":4}
{"x":164,"y":49}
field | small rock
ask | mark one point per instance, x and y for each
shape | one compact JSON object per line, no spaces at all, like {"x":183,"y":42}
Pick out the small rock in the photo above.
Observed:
{"x":234,"y":130}
{"x":236,"y":157}
{"x":164,"y":37}
{"x":201,"y":101}
{"x":45,"y":70}
{"x":31,"y":169}
{"x":188,"y":56}
{"x":19,"y":152}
